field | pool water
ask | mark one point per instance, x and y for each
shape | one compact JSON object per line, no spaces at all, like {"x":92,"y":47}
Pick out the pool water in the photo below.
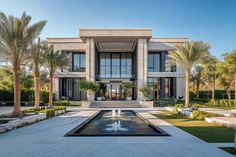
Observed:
{"x":116,"y":123}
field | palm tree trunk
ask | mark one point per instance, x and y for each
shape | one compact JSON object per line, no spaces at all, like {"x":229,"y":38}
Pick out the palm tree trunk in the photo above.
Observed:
{"x":187,"y":88}
{"x":213,"y":92}
{"x":17,"y":92}
{"x":37,"y":89}
{"x":235,"y":86}
{"x":198,"y":84}
{"x":51,"y":91}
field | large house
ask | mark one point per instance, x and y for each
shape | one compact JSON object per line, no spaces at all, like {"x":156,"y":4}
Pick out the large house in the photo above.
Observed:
{"x":114,"y":57}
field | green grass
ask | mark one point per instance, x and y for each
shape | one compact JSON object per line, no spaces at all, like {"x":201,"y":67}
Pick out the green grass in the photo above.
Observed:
{"x":230,"y":150}
{"x":208,"y":132}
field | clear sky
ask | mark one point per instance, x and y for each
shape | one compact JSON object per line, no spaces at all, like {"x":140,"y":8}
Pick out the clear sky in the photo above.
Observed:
{"x":213,"y":21}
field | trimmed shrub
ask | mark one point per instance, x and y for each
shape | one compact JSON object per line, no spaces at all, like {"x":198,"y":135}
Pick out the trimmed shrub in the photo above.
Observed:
{"x":177,"y":106}
{"x":62,"y":103}
{"x":56,"y":108}
{"x":200,"y":115}
{"x":49,"y":112}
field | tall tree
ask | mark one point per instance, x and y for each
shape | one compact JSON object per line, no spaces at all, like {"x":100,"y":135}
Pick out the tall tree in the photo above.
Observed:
{"x":189,"y":54}
{"x":15,"y":37}
{"x":226,"y":79}
{"x":36,"y":62}
{"x":196,"y":77}
{"x":230,"y":60}
{"x":210,"y":74}
{"x":54,"y":60}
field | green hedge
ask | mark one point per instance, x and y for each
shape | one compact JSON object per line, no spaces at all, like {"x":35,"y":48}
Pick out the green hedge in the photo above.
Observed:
{"x":26,"y":95}
{"x":200,"y":115}
{"x":167,"y":102}
{"x":219,"y":94}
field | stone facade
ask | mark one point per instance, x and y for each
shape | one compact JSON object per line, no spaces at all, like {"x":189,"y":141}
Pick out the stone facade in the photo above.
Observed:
{"x":138,"y":41}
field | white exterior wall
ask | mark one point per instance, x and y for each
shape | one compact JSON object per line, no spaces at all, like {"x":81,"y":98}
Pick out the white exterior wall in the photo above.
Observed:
{"x":90,"y":64}
{"x":142,"y":54}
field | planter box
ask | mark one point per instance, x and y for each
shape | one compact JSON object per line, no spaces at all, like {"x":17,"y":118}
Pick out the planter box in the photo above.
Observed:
{"x":129,"y":98}
{"x":21,"y":121}
{"x":170,"y":109}
{"x":59,"y":112}
{"x":146,"y":104}
{"x":185,"y":111}
{"x":86,"y":104}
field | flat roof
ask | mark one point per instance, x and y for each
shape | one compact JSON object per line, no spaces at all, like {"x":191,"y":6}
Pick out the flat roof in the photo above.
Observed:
{"x":115,"y":32}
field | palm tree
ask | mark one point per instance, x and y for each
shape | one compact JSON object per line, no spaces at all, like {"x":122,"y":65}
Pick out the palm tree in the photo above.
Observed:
{"x":196,"y":77}
{"x":189,"y":54}
{"x":54,"y":59}
{"x":15,"y":37}
{"x":36,"y":60}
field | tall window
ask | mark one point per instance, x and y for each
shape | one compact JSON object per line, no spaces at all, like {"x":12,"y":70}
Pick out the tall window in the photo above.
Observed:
{"x":69,"y":89}
{"x":154,"y":62}
{"x":115,"y":65}
{"x":78,"y":63}
{"x":160,"y":62}
{"x":105,"y":64}
{"x":162,"y":87}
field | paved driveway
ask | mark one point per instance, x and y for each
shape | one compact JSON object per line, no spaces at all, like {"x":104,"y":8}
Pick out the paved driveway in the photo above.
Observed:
{"x":45,"y":139}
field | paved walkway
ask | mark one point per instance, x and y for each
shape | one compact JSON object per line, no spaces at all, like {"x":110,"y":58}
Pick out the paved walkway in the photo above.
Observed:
{"x":9,"y":109}
{"x":46,"y":139}
{"x":216,"y":110}
{"x":223,"y":144}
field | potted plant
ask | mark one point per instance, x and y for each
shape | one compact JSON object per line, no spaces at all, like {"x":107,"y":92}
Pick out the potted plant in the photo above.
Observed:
{"x":89,"y":86}
{"x":128,"y":90}
{"x":146,"y":92}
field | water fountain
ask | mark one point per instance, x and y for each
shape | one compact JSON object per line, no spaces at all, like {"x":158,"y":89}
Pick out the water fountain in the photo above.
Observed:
{"x":113,"y":113}
{"x":119,"y":111}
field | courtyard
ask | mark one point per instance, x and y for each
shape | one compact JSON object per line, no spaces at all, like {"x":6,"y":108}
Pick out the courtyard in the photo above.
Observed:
{"x":46,"y":139}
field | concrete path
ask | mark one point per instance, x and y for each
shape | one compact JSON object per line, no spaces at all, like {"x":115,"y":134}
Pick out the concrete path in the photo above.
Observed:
{"x":216,"y":110}
{"x":223,"y":144}
{"x":46,"y":139}
{"x":9,"y":109}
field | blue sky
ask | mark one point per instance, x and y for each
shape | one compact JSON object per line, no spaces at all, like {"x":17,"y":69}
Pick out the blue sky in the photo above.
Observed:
{"x":213,"y":21}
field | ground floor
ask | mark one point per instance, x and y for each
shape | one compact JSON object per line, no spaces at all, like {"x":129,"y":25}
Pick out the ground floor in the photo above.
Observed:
{"x":46,"y":139}
{"x":120,"y":89}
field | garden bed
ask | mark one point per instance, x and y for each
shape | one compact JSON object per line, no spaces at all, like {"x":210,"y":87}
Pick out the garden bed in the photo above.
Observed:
{"x":29,"y":116}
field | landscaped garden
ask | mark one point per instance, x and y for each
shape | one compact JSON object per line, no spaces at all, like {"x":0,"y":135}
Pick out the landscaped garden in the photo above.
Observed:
{"x":212,"y":133}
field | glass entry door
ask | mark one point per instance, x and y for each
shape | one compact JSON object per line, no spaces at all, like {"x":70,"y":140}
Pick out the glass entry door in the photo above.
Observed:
{"x":115,"y":91}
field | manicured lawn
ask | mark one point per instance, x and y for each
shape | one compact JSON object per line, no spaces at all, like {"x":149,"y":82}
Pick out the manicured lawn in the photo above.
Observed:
{"x":230,"y":150}
{"x":208,"y":132}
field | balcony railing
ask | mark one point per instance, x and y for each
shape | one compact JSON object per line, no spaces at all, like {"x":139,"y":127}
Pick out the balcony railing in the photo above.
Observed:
{"x":115,"y":76}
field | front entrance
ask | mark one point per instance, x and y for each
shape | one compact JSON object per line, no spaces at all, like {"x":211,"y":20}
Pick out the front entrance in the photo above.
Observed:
{"x":113,"y":91}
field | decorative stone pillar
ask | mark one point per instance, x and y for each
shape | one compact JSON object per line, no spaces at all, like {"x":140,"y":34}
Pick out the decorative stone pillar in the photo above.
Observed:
{"x":141,"y":66}
{"x":90,"y":65}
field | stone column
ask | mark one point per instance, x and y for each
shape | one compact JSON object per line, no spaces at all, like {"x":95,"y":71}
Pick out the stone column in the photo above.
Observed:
{"x":56,"y":87}
{"x":180,"y":81}
{"x":180,"y":87}
{"x":90,"y":65}
{"x":70,"y":64}
{"x":141,"y":66}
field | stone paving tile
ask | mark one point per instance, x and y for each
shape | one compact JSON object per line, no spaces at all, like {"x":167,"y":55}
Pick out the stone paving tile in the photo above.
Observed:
{"x":46,"y":139}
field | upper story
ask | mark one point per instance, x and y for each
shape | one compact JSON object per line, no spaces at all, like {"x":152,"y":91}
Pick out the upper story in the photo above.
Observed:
{"x":118,"y":54}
